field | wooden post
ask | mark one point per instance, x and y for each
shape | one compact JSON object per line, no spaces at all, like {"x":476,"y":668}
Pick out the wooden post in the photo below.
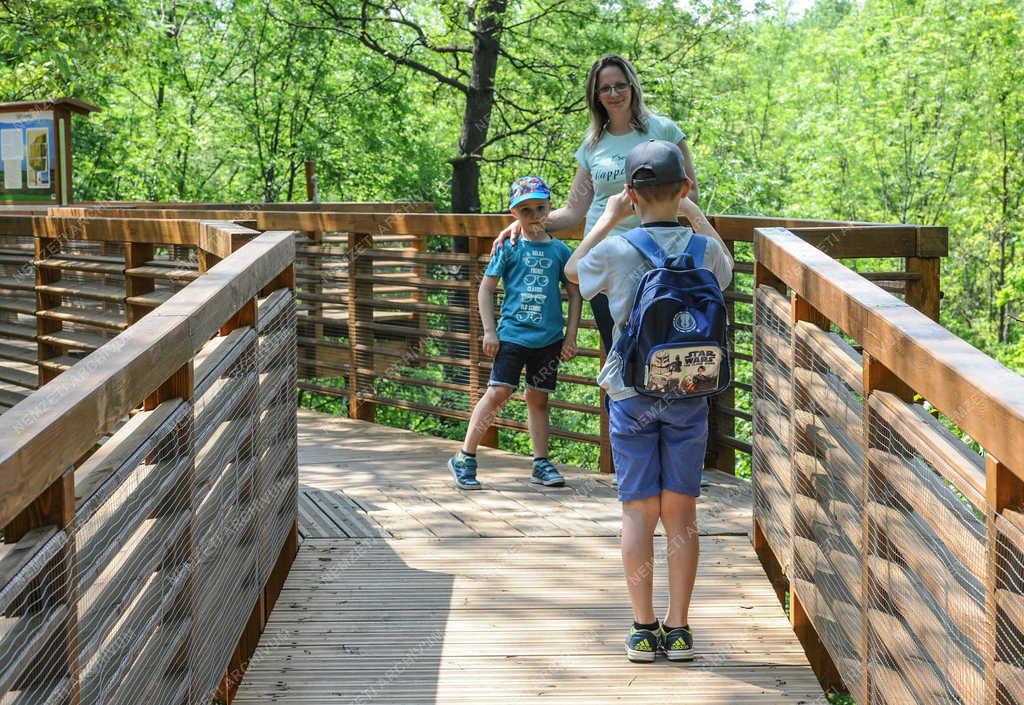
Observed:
{"x":360,"y":316}
{"x":46,"y":248}
{"x":135,"y":255}
{"x":763,"y":276}
{"x":56,"y":507}
{"x":419,"y":296}
{"x":817,"y":653}
{"x":605,"y":460}
{"x":310,"y":263}
{"x":1004,"y":490}
{"x":821,"y":662}
{"x":924,"y":293}
{"x":64,"y":188}
{"x":876,"y":377}
{"x":723,"y":456}
{"x":207,"y":260}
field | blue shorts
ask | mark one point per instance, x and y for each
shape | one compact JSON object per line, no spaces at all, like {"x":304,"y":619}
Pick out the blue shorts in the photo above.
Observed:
{"x":658,"y":445}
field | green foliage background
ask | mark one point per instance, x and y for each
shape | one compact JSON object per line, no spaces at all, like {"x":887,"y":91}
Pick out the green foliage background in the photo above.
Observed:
{"x":894,"y":111}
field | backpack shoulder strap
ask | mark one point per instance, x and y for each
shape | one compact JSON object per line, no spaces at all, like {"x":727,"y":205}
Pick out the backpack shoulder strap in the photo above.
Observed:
{"x":645,"y":245}
{"x":696,"y":248}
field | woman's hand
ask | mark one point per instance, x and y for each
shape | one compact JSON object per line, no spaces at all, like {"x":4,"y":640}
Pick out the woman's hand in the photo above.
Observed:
{"x":490,"y":344}
{"x":512,"y":233}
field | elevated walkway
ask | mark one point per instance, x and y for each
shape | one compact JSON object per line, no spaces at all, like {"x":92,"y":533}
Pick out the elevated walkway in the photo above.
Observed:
{"x":406,"y":590}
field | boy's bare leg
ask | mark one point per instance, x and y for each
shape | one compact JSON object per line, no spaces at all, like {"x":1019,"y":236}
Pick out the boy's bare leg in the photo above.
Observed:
{"x":679,"y":517}
{"x":537,"y":421}
{"x":639,"y":520}
{"x":483,"y":415}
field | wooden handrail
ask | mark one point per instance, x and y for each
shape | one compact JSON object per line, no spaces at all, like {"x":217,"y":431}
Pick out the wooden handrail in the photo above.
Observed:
{"x":980,"y":395}
{"x":350,"y":206}
{"x":52,"y":428}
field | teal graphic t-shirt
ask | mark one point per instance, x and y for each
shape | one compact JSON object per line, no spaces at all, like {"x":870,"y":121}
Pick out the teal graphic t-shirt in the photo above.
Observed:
{"x":606,"y":162}
{"x":531,"y":274}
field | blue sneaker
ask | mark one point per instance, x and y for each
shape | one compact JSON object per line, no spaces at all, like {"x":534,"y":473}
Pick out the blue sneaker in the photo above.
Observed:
{"x":463,"y":470}
{"x":544,"y":473}
{"x":642,"y":644}
{"x":678,"y":644}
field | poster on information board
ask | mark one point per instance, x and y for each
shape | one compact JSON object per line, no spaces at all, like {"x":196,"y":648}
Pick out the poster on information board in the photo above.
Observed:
{"x":27,"y":157}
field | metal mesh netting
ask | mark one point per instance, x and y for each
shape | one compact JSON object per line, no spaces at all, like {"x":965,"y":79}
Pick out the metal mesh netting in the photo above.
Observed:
{"x":276,"y":447}
{"x":226,"y":567}
{"x":926,"y":559}
{"x":133,"y":560}
{"x":828,"y":456}
{"x":36,"y":618}
{"x":418,"y":335}
{"x":770,"y":465}
{"x":1008,"y":565}
{"x":180,"y":516}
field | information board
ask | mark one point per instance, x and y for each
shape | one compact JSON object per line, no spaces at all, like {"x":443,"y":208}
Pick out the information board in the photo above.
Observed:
{"x":27,"y":159}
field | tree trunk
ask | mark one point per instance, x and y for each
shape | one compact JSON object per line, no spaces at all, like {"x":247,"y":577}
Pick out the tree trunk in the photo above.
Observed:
{"x":476,"y":120}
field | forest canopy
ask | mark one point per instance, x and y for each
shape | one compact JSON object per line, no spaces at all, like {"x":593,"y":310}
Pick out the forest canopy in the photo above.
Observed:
{"x":895,"y":111}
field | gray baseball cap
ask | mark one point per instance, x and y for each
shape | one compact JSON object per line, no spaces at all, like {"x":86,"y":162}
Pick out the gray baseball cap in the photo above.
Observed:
{"x":660,"y":156}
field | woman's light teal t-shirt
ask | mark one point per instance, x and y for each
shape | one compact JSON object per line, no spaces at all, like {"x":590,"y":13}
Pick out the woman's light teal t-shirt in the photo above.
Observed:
{"x":606,"y":162}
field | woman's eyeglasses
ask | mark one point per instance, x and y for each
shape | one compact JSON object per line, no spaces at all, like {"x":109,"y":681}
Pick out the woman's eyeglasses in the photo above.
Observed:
{"x":616,"y":87}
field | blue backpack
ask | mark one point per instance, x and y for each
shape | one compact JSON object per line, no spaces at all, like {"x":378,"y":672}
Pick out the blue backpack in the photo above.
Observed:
{"x":674,"y":345}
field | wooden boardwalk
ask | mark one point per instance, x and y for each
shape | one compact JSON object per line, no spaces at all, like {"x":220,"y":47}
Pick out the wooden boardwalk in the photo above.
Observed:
{"x":406,"y":590}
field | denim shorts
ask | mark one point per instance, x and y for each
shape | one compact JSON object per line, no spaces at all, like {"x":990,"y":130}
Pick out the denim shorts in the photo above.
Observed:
{"x":541,"y":366}
{"x":658,"y":445}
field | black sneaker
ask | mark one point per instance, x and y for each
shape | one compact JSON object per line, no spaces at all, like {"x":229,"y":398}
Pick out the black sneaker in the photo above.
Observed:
{"x":463,"y":469}
{"x":642,"y":644}
{"x":544,"y":473}
{"x":678,"y":644}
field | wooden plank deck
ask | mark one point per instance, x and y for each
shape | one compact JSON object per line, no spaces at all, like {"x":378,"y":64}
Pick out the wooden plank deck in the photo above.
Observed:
{"x":406,"y":590}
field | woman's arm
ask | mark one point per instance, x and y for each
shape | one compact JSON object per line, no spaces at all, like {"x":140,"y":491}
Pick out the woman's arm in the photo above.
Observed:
{"x":688,"y":168}
{"x":581,"y":195}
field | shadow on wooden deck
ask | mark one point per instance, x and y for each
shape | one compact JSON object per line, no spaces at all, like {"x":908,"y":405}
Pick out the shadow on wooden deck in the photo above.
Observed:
{"x":406,"y":590}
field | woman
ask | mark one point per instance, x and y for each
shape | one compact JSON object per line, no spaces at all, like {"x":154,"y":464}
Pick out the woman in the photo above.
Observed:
{"x":619,"y":121}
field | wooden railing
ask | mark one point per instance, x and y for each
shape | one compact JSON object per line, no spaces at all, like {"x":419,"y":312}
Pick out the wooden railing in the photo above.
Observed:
{"x":415,"y":320}
{"x":413,"y":314}
{"x":902,"y":548}
{"x":148,"y":492}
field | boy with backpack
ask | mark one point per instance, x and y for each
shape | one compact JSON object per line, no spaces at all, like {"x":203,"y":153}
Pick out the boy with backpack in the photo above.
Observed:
{"x":528,"y":335}
{"x":664,"y":286}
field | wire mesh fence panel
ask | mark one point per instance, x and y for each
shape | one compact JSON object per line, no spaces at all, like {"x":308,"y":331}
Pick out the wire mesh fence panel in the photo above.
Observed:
{"x":38,"y":664}
{"x":227,"y":565}
{"x":827,"y":488}
{"x":401,"y":337}
{"x":1007,"y":608}
{"x":276,"y":446}
{"x":178,"y":516}
{"x":134,"y":556}
{"x":926,"y":557}
{"x":771,"y":475}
